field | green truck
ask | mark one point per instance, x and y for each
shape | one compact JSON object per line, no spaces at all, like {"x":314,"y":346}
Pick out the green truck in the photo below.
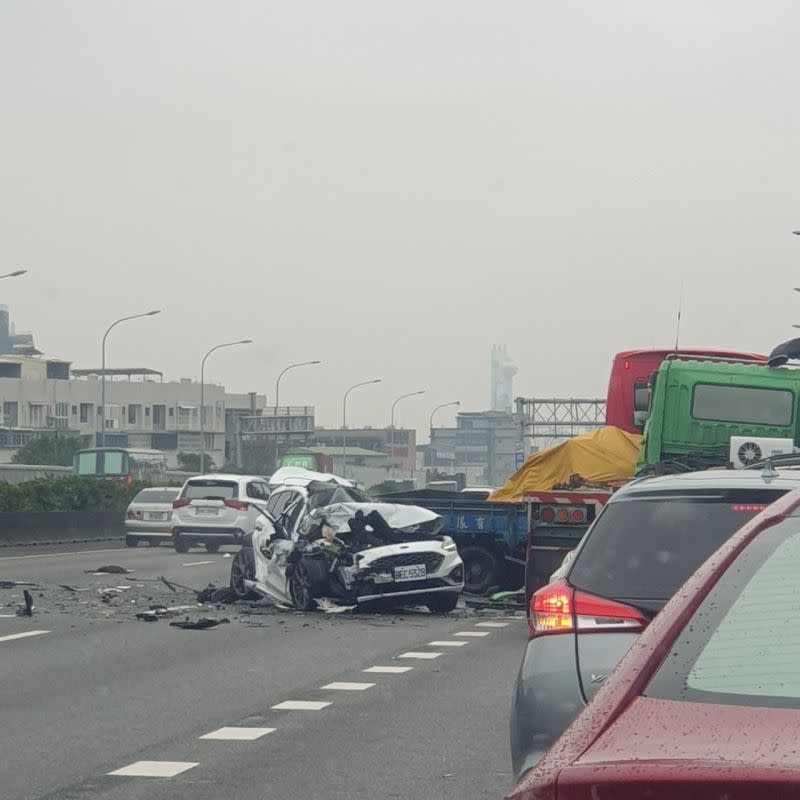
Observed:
{"x":718,"y":413}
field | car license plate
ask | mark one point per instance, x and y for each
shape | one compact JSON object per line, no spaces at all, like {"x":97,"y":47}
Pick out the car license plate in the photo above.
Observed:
{"x":155,"y":514}
{"x":414,"y":572}
{"x":207,"y":512}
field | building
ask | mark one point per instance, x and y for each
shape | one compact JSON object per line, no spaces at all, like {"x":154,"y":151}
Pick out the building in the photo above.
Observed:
{"x":485,"y":446}
{"x":399,"y":445}
{"x":142,"y":410}
{"x":501,"y":380}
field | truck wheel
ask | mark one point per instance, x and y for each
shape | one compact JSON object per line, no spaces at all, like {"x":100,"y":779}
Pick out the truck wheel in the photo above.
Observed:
{"x":243,"y":567}
{"x":442,"y":603}
{"x":212,"y":548}
{"x":131,"y":541}
{"x":181,"y":545}
{"x":480,"y":569}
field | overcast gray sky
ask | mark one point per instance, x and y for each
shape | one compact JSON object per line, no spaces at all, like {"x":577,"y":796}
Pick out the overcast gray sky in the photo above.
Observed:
{"x":392,"y":187}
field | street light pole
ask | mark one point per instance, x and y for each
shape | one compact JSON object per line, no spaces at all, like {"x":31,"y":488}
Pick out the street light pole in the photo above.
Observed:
{"x":430,"y":426}
{"x":344,"y":421}
{"x":278,"y":382}
{"x":103,"y":365}
{"x":203,"y":396}
{"x":14,"y":274}
{"x":391,"y":431}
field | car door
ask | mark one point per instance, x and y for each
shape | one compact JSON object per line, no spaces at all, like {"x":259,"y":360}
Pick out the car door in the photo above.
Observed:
{"x":281,"y":543}
{"x":257,"y":496}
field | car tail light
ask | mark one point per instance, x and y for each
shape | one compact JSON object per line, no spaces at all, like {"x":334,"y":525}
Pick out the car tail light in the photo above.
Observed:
{"x":239,"y":505}
{"x":562,"y":515}
{"x":181,"y":502}
{"x":558,"y":608}
{"x":578,"y":515}
{"x":131,"y":515}
{"x":547,"y":515}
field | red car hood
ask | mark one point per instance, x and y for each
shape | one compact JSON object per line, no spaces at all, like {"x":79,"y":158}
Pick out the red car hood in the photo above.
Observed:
{"x":670,"y":749}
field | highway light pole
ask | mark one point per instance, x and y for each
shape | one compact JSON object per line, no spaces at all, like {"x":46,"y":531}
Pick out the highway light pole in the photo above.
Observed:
{"x":433,"y":413}
{"x":103,"y":367}
{"x":344,"y":421}
{"x":277,"y":403}
{"x":14,"y":274}
{"x":391,"y":431}
{"x":203,"y":396}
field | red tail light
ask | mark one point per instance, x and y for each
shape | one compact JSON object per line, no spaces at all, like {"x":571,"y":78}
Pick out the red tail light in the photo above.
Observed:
{"x":558,"y":608}
{"x":131,"y":515}
{"x":181,"y":502}
{"x":239,"y":505}
{"x":562,"y":515}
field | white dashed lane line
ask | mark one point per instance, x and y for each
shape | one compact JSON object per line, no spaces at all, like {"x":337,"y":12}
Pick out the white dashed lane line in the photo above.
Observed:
{"x":344,"y":686}
{"x":301,"y":705}
{"x":389,"y":670}
{"x":414,"y":654}
{"x":492,"y":625}
{"x":475,"y":634}
{"x":237,"y":734}
{"x":197,"y":563}
{"x":155,"y":769}
{"x":447,"y":644}
{"x":23,"y":635}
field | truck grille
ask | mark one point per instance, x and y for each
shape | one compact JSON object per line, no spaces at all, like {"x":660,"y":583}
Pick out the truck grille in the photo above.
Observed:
{"x":432,"y":561}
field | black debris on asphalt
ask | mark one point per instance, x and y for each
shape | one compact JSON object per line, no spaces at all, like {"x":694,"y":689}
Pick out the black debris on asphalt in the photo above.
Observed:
{"x":111,"y":569}
{"x":199,"y":624}
{"x":28,"y":609}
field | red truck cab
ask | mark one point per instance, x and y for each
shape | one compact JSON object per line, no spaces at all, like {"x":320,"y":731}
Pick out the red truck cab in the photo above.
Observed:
{"x":628,"y":395}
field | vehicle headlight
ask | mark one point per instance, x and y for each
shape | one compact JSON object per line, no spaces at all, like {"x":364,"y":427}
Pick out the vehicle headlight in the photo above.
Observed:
{"x":448,"y":543}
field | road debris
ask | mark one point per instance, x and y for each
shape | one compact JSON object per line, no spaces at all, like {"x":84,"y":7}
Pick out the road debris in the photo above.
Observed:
{"x":71,"y":588}
{"x":329,"y":607}
{"x":28,"y":609}
{"x":111,"y":569}
{"x":199,"y":624}
{"x":13,"y":584}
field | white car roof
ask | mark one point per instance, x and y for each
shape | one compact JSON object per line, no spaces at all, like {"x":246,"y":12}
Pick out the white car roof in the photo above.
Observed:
{"x":297,"y":476}
{"x":224,"y":477}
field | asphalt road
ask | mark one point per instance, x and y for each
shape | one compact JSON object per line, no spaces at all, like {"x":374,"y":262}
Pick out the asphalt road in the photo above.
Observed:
{"x":94,"y":691}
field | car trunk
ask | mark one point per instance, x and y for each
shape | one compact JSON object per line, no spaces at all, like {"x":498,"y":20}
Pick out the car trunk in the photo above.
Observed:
{"x":637,"y":555}
{"x":663,"y":749}
{"x":207,"y":503}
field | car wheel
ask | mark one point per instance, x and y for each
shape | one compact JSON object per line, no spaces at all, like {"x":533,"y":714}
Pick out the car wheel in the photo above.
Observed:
{"x":131,"y":541}
{"x":181,"y":545}
{"x":243,"y":567}
{"x":480,"y":569}
{"x":212,"y":548}
{"x":308,"y":580}
{"x":154,"y":543}
{"x":442,"y":603}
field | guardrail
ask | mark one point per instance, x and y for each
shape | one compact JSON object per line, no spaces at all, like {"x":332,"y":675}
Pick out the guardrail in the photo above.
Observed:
{"x":50,"y":527}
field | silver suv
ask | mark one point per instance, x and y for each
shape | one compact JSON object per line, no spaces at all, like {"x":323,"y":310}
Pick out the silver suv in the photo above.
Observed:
{"x":213,"y":510}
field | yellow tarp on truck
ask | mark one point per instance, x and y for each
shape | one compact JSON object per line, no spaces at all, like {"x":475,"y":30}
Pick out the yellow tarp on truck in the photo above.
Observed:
{"x":605,"y":455}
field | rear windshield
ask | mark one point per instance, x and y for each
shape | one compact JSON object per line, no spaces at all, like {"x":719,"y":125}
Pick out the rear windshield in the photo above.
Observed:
{"x":156,"y":495}
{"x":211,"y":490}
{"x":645,"y":548}
{"x":742,"y":646}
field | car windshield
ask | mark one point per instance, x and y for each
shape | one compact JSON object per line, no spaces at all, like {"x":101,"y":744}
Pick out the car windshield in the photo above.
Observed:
{"x":643,"y":548}
{"x":742,"y":646}
{"x":211,"y":490}
{"x":156,"y":496}
{"x":328,"y":493}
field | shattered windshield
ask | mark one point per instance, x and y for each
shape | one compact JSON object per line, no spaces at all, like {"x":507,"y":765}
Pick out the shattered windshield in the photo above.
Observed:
{"x":321,"y":494}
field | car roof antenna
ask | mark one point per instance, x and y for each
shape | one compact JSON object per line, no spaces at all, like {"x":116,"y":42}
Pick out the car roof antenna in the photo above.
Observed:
{"x":769,"y":471}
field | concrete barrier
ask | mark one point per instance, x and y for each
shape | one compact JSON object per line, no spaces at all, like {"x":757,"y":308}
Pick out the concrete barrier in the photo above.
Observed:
{"x":51,"y":527}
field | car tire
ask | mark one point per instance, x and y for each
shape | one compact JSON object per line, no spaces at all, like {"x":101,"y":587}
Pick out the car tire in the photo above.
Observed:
{"x":131,"y":541}
{"x":243,"y":567}
{"x":480,"y":569}
{"x":154,"y":543}
{"x":212,"y":548}
{"x":442,"y":603}
{"x":308,"y":580}
{"x":181,"y":545}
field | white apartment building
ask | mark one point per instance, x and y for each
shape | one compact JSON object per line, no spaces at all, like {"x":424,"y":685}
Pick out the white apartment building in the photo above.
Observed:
{"x":38,"y":395}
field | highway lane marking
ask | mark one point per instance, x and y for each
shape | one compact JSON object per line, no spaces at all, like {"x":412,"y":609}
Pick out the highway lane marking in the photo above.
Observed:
{"x":301,"y":705}
{"x":414,"y":654}
{"x":23,"y":635}
{"x":238,"y":734}
{"x":197,"y":563}
{"x":345,"y":686}
{"x":476,"y":634}
{"x":8,"y":616}
{"x":492,"y":625}
{"x":66,"y":553}
{"x":155,"y":769}
{"x":389,"y":670}
{"x":447,"y":644}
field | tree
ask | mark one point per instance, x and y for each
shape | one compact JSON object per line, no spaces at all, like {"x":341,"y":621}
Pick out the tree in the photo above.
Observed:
{"x":50,"y":449}
{"x":190,"y":462}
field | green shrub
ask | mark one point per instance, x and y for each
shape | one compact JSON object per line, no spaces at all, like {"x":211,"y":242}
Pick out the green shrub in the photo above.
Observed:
{"x":67,"y":494}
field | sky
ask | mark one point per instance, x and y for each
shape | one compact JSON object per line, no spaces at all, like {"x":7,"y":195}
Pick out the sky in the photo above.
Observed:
{"x":394,"y":187}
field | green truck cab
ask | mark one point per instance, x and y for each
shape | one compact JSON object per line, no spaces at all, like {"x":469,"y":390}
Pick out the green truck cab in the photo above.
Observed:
{"x":711,"y":413}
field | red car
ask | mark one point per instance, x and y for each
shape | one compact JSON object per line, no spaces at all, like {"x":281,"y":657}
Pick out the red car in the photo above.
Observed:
{"x":706,"y":704}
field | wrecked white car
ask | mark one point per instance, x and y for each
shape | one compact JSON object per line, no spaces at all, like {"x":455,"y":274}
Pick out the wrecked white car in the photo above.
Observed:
{"x":324,"y":540}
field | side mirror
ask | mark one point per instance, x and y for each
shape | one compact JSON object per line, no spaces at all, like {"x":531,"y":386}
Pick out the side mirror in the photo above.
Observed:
{"x":639,"y":418}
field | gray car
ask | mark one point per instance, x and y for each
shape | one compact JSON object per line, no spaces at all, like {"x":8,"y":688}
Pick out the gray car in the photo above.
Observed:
{"x":647,"y":541}
{"x":149,"y":516}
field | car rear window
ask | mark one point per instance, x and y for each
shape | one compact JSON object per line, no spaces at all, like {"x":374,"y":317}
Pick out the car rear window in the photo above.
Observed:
{"x":211,"y":490}
{"x":645,"y":547}
{"x":742,"y":646}
{"x":156,"y":495}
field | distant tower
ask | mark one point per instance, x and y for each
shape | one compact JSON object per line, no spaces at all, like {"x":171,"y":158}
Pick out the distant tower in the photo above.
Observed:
{"x":502,"y":378}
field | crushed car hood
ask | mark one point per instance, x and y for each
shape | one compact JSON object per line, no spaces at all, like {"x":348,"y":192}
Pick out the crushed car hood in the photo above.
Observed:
{"x":408,"y":521}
